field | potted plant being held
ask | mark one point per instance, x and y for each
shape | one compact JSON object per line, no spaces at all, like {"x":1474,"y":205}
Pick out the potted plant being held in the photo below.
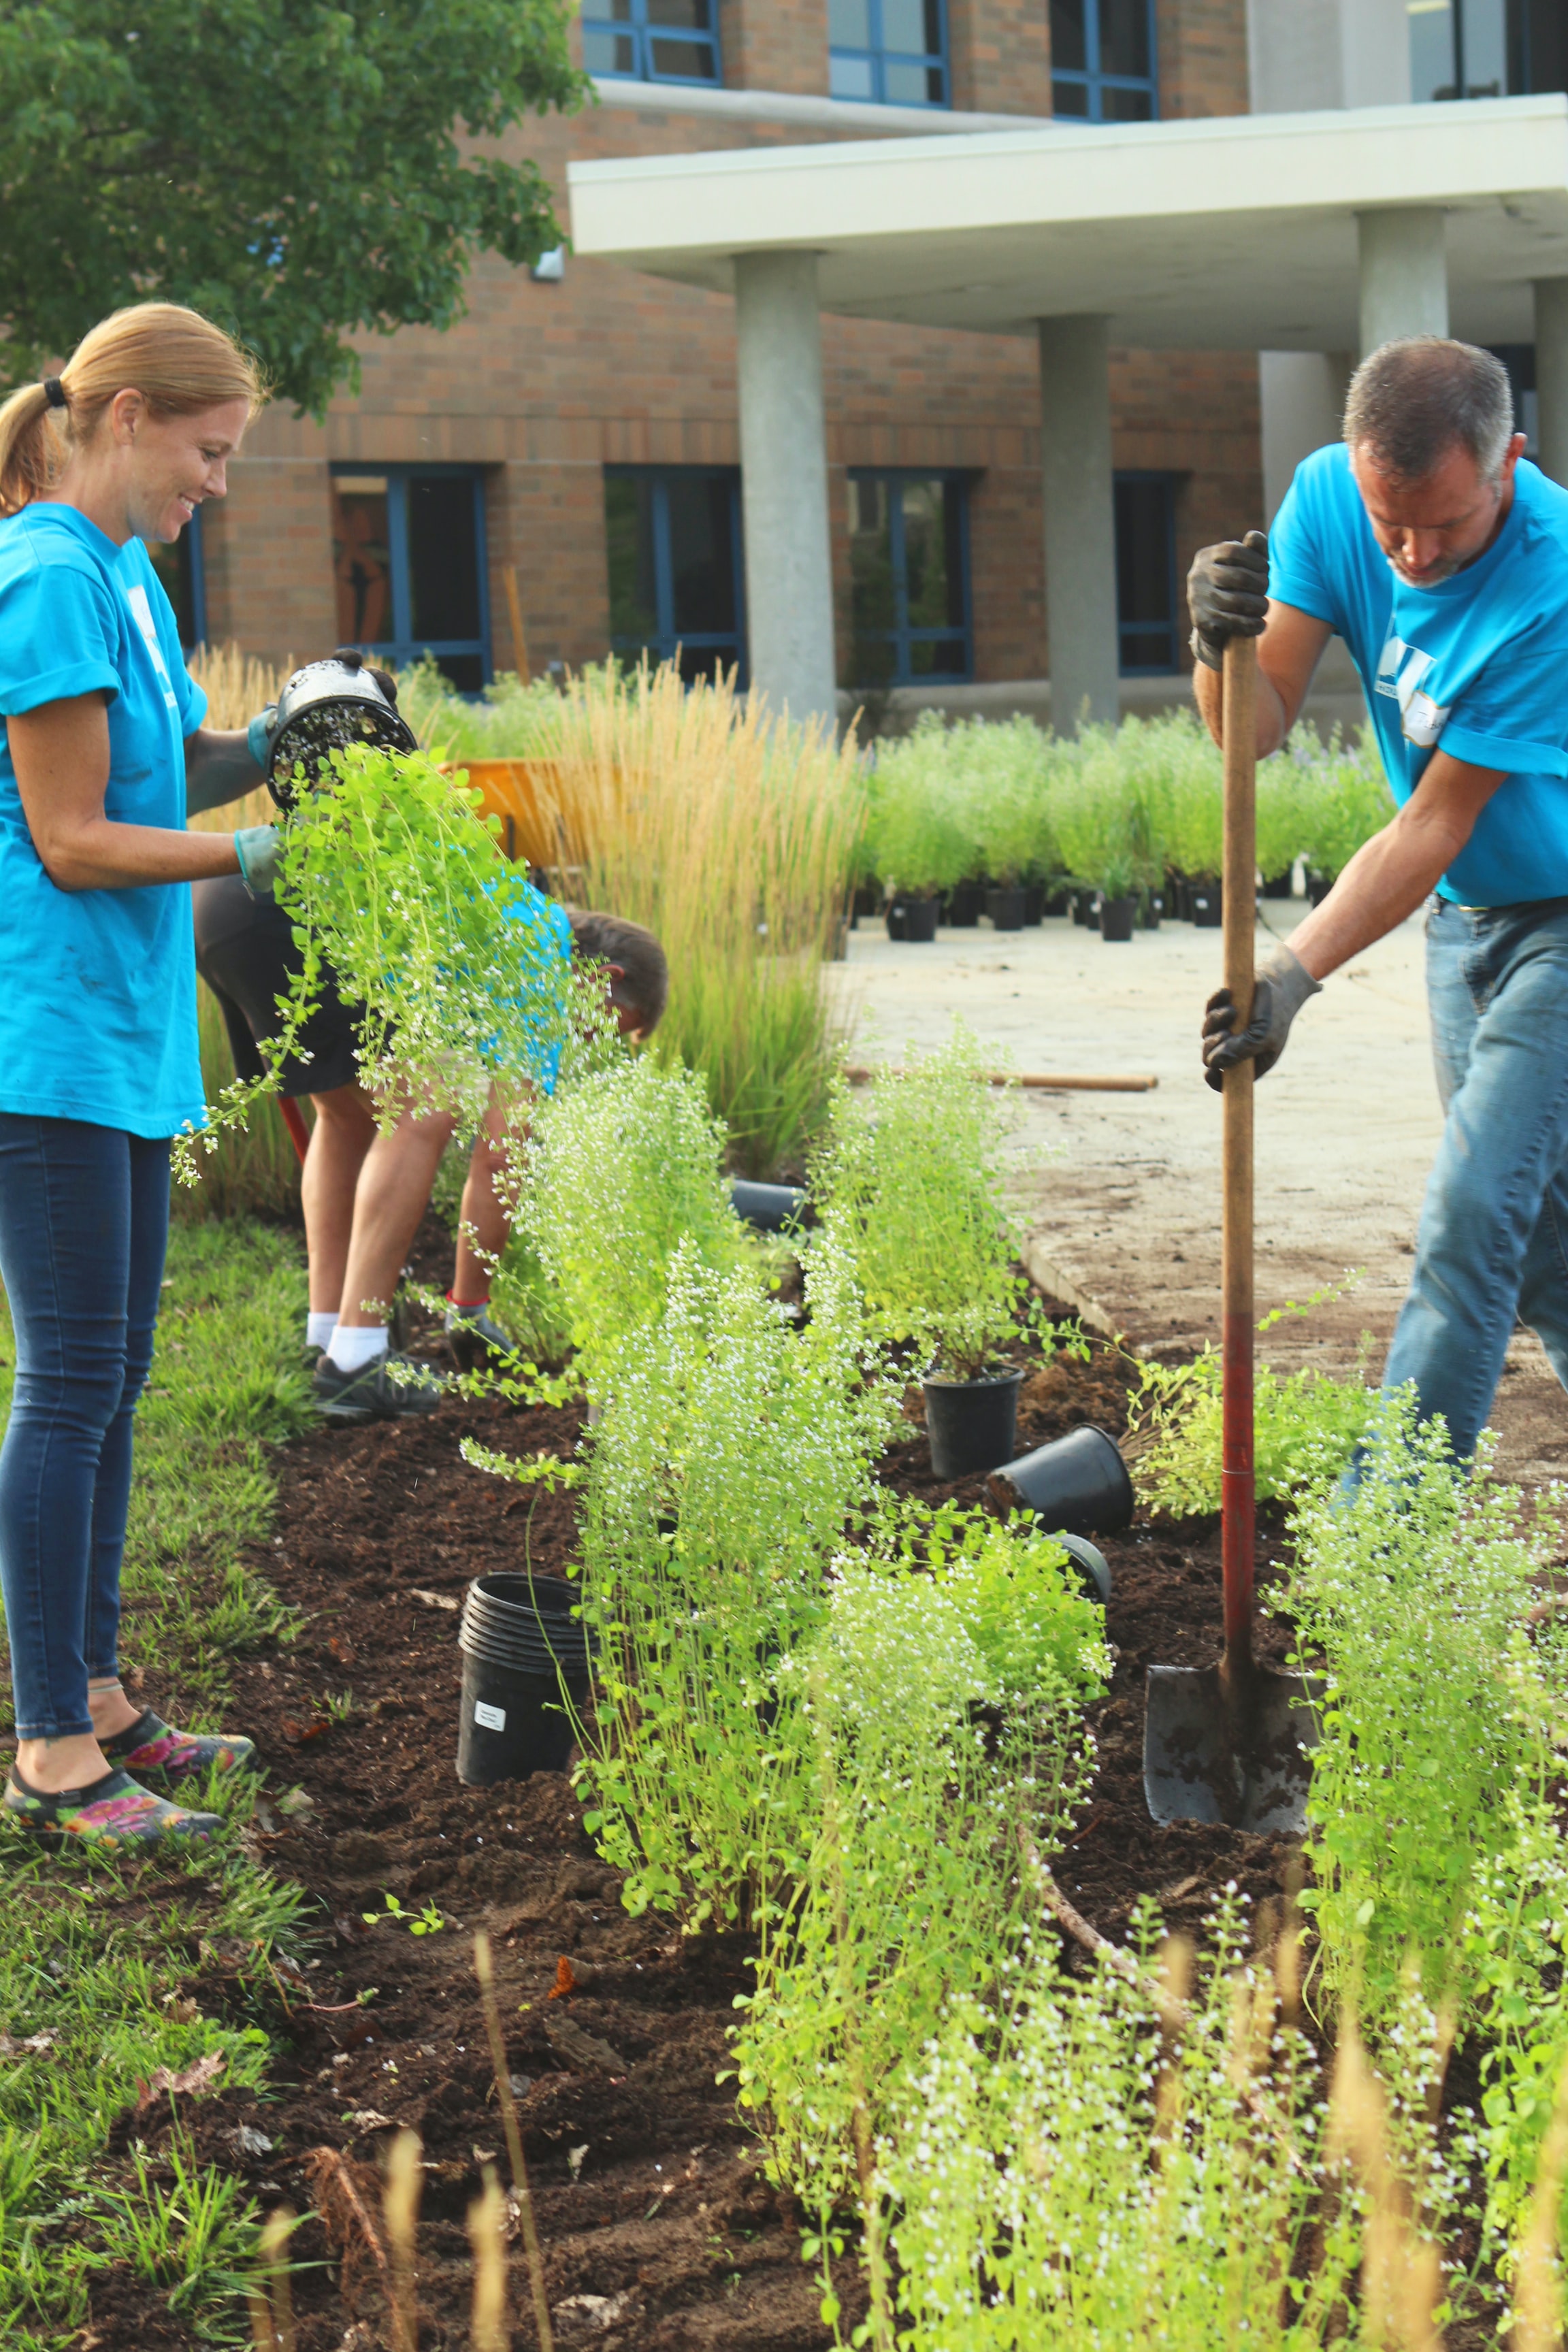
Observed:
{"x":917,"y":842}
{"x":910,"y":1180}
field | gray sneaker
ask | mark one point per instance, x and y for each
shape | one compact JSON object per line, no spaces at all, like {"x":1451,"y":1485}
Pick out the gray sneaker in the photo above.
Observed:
{"x":474,"y":1339}
{"x":389,"y":1388}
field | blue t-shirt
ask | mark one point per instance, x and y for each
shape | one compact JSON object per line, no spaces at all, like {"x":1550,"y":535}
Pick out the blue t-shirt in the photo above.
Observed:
{"x":98,"y":1008}
{"x":549,"y":953}
{"x":1478,"y":663}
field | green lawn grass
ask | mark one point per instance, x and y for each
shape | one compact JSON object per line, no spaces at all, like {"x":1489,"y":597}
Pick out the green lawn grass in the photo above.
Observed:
{"x":98,"y":1960}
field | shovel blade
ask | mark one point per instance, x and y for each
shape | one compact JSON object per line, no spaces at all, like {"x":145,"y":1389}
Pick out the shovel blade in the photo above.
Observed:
{"x":1209,"y":1757}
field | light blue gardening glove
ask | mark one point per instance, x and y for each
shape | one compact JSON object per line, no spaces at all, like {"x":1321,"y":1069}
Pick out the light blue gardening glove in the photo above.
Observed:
{"x":260,"y":733}
{"x":260,"y":849}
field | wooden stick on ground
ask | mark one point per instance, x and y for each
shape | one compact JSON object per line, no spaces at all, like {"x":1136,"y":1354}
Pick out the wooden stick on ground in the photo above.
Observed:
{"x":859,"y":1076}
{"x":485,"y":1970}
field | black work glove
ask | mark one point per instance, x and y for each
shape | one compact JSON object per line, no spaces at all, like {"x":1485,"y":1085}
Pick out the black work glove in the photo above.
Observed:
{"x":1281,"y":988}
{"x":1227,"y":595}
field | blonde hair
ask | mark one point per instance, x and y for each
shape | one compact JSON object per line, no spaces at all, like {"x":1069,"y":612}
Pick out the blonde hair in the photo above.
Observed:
{"x":178,"y":360}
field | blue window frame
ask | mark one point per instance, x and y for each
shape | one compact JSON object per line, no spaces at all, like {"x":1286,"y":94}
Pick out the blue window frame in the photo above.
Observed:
{"x":909,"y":573}
{"x":408,"y":565}
{"x":179,"y":568}
{"x":652,"y":41}
{"x":673,"y":538}
{"x":1102,"y":60}
{"x":893,"y":52}
{"x":1146,"y":607}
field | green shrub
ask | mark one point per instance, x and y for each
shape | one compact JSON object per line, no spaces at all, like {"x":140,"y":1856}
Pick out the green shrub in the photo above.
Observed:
{"x":1348,"y":802}
{"x":1175,"y":1425}
{"x":910,"y":1180}
{"x":916,"y":835}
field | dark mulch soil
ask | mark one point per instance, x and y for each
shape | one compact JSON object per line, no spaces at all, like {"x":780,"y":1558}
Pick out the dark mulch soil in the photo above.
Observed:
{"x":658,"y":2227}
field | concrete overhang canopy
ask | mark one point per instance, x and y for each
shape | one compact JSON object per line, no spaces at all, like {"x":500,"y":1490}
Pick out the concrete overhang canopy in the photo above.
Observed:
{"x":1231,"y":232}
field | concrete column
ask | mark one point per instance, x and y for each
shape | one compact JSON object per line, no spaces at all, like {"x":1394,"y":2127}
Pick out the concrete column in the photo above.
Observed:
{"x":1080,"y":520}
{"x":783,"y":481}
{"x":1551,"y":376}
{"x":1301,"y":397}
{"x":1403,"y":274}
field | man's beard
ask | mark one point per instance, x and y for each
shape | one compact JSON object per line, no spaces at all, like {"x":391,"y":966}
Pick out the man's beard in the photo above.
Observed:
{"x":1443,"y":571}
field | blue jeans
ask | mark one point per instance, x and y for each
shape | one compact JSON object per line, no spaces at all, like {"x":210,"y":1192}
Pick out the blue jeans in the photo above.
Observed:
{"x":1493,"y":1239}
{"x":84,"y":1219}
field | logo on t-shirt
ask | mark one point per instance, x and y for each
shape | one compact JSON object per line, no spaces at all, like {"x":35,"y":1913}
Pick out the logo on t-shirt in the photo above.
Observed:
{"x":1400,"y":670}
{"x":136,"y":598}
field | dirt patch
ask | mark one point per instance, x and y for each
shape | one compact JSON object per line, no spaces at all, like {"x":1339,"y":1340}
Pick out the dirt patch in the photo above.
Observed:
{"x":658,"y":2228}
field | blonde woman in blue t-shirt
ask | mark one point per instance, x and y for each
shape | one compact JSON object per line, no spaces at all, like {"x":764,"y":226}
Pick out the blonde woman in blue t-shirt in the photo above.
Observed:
{"x":102,"y":755}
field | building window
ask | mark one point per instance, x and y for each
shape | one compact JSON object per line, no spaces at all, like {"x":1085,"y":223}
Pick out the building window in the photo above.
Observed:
{"x":893,"y":52}
{"x":673,"y":534}
{"x":652,"y":41}
{"x":179,"y":568}
{"x":1102,"y":60}
{"x":1487,"y":48}
{"x":1146,"y":573}
{"x":908,"y":570}
{"x":408,"y":561}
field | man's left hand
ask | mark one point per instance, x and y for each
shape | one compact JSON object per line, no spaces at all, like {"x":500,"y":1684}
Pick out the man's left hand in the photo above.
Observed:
{"x":1282,"y":986}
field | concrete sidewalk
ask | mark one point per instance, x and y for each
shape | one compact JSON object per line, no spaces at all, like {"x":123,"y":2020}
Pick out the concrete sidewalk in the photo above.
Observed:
{"x":1122,"y":1190}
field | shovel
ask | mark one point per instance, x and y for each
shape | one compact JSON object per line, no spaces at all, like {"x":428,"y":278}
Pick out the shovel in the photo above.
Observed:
{"x":1230,"y":1742}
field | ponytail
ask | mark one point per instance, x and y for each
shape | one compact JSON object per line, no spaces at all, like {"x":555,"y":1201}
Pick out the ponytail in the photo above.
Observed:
{"x":178,"y":360}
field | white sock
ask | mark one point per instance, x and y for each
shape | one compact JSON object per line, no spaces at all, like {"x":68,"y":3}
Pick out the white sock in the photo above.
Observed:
{"x":353,"y":1349}
{"x":320,"y":1325}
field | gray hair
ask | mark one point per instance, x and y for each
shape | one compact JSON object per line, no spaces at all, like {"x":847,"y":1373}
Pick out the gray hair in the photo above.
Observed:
{"x":1415,"y":400}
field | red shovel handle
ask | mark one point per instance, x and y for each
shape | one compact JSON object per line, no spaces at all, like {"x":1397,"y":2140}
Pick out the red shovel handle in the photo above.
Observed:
{"x":1237,"y":1490}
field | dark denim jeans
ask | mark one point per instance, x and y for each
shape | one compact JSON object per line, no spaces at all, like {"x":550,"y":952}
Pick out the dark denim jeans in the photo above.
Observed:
{"x":84,"y":1219}
{"x":1493,"y":1239}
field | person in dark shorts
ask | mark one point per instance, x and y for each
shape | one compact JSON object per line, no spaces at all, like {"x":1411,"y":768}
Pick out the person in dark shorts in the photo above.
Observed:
{"x":365,"y":1192}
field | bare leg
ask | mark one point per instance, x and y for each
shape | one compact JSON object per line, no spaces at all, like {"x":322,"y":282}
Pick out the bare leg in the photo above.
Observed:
{"x":342,"y":1135}
{"x":391,"y":1197}
{"x":484,"y":1221}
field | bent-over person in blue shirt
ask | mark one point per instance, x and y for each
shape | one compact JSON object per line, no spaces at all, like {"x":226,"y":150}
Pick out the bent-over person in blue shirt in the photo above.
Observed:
{"x":1440,"y":555}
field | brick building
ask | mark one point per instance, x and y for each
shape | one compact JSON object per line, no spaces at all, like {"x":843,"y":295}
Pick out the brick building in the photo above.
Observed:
{"x":579,"y":426}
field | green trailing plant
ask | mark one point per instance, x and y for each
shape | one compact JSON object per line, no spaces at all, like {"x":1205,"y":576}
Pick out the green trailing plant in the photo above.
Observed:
{"x":731,"y":1453}
{"x":1411,"y":1596}
{"x":392,"y":880}
{"x":911,"y":1178}
{"x":255,"y":1170}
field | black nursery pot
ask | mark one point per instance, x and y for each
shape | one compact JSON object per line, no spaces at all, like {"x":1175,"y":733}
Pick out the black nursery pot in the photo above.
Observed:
{"x":1318,"y":888}
{"x":1279,"y":886}
{"x":1150,"y":907}
{"x":973,"y":1424}
{"x":1034,"y":904}
{"x":525,"y":1656}
{"x":965,"y":904}
{"x":1076,"y":1485}
{"x":1093,"y":1568}
{"x":1116,"y":917}
{"x":912,"y":919}
{"x":1005,"y":907}
{"x":771,"y":1208}
{"x":1208,"y":911}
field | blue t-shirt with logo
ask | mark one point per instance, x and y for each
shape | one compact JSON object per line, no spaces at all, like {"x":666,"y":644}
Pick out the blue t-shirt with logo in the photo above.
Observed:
{"x":1478,"y":663}
{"x":98,"y":1007}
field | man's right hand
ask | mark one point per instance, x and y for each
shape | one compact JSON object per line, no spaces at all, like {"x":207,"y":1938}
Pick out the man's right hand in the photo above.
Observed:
{"x":1227,"y":595}
{"x":260,"y":849}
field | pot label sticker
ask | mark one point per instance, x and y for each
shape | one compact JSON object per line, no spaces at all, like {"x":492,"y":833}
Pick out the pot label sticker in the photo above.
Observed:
{"x":489,"y":1718}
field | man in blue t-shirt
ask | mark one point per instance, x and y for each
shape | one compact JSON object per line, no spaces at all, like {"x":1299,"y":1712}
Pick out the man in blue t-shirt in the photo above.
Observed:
{"x":1441,"y":557}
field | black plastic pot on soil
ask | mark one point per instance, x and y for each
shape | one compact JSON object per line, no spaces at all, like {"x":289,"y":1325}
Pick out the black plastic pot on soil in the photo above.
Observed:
{"x":1078,"y":1483}
{"x":912,"y":919}
{"x":965,"y":904}
{"x":1093,"y":1568}
{"x":1115,"y":919}
{"x":771,"y":1208}
{"x":1004,"y":906}
{"x":971,"y":1425}
{"x":1208,"y":911}
{"x":524,"y":1657}
{"x":1034,"y":904}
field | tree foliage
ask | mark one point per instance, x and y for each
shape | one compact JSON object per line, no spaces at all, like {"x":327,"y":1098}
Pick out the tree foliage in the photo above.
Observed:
{"x":298,"y":170}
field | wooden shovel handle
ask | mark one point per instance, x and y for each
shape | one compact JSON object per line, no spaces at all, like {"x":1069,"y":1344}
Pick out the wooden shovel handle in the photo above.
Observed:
{"x":1237,"y":1488}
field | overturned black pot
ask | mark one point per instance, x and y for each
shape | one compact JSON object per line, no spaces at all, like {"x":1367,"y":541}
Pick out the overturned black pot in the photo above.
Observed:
{"x":771,"y":1208}
{"x":1093,"y":1568}
{"x":973,"y":1424}
{"x":527,"y":1666}
{"x":1115,"y":919}
{"x":1076,"y":1485}
{"x":913,"y":920}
